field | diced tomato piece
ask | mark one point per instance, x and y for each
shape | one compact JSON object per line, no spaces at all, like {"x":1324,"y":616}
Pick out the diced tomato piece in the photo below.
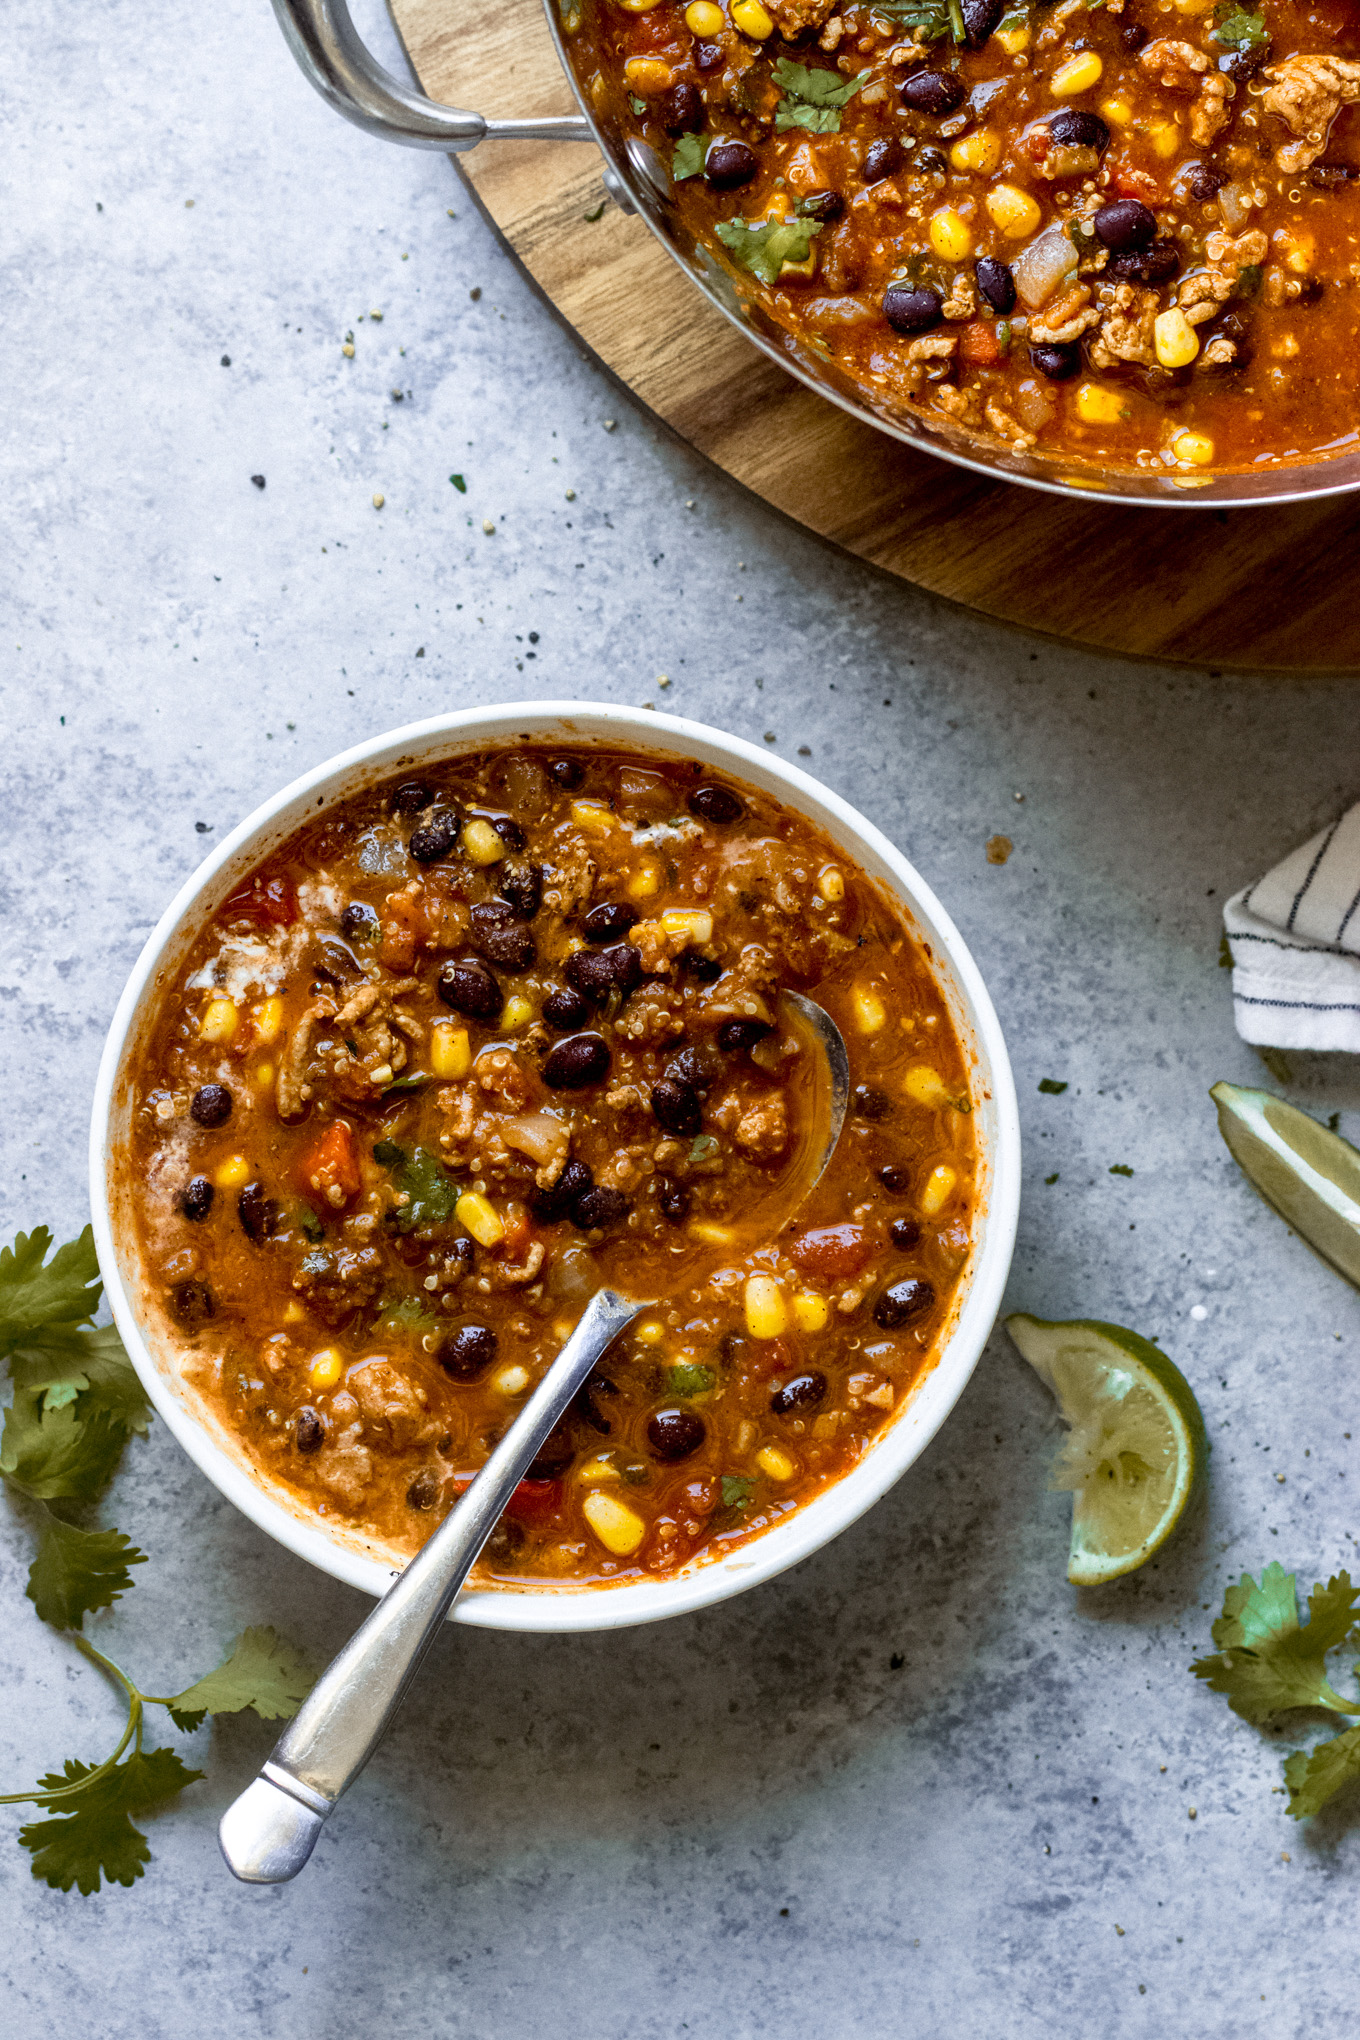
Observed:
{"x":404,"y":925}
{"x":827,"y":1250}
{"x":979,"y":343}
{"x":265,"y":900}
{"x":1126,"y":182}
{"x":767,"y":1357}
{"x":328,"y":1174}
{"x":534,"y":1501}
{"x":515,"y":1245}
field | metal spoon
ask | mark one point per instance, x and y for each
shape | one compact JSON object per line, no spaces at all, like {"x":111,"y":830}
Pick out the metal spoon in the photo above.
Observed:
{"x":270,"y":1831}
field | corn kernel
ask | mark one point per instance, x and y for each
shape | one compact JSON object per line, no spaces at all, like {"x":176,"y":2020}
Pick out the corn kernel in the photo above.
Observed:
{"x":480,"y":1218}
{"x":326,"y":1368}
{"x":1165,"y":138}
{"x":217,"y":1021}
{"x":511,"y":1380}
{"x":1196,"y":447}
{"x":980,"y":151}
{"x":925,"y":1085}
{"x":767,"y":1314}
{"x":293,"y":1313}
{"x":710,"y":1235}
{"x":518,"y":1012}
{"x":233,"y":1173}
{"x":1193,"y":6}
{"x":1099,"y":406}
{"x":774,"y":1464}
{"x":268,"y":1019}
{"x":1013,"y":211}
{"x":939,"y":1188}
{"x":1175,"y":339}
{"x":831,"y":883}
{"x":750,"y":17}
{"x":870,"y":1012}
{"x":450,"y":1050}
{"x":1117,"y":111}
{"x":1014,"y":40}
{"x":597,"y":1469}
{"x":949,"y":235}
{"x":644,"y":883}
{"x":648,"y":76}
{"x":693,"y":925}
{"x":639,"y":6}
{"x":810,"y":1311}
{"x":1078,"y":74}
{"x":651,"y":1331}
{"x":704,"y":19}
{"x":481,"y":843}
{"x":264,"y":1075}
{"x":593,"y":817}
{"x":1298,"y":249}
{"x":1285,"y":348}
{"x":618,"y":1527}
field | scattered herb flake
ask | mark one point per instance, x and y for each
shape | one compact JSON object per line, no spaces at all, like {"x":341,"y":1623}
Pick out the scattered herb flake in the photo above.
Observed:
{"x":688,"y":160}
{"x":812,"y":99}
{"x":598,"y":214}
{"x":1052,"y":1087}
{"x":1236,"y":28}
{"x":704,"y":1148}
{"x":1225,"y":956}
{"x":766,"y":248}
{"x":432,"y":1194}
{"x":737,"y":1490}
{"x":459,"y":484}
{"x":1053,"y":1178}
{"x":688,"y":1380}
{"x":1120,"y":1169}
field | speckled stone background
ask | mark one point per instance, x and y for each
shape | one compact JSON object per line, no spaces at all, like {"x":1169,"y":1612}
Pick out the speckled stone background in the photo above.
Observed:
{"x":920,"y":1785}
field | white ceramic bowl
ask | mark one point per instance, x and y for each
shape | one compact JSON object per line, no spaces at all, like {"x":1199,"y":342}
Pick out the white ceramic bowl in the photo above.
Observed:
{"x":351,"y":1557}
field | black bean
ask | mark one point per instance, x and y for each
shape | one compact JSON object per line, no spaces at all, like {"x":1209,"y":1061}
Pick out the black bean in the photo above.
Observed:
{"x":672,"y":1197}
{"x":909,"y":310}
{"x":565,"y":1009}
{"x":555,"y":1202}
{"x":568,"y":772}
{"x":1244,"y":64}
{"x":1206,"y":181}
{"x":410,"y":797}
{"x":709,"y":56}
{"x":500,"y":936}
{"x":579,"y":1060}
{"x":902,"y":1301}
{"x":197,"y":1200}
{"x":695,"y":1064}
{"x":883,"y":158}
{"x":1327,"y":176}
{"x":1148,"y":266}
{"x":1133,"y":37}
{"x":522,"y":886}
{"x":804,"y":1392}
{"x":1125,"y":224}
{"x":585,"y":1405}
{"x":979,"y":20}
{"x":1075,"y":128}
{"x":735,"y":1035}
{"x":468,"y":987}
{"x":728,"y":164}
{"x":822,"y":205}
{"x":895,"y":1178}
{"x":610,"y":921}
{"x":555,"y":1455}
{"x":598,"y":1207}
{"x":996,"y":283}
{"x":211,"y":1106}
{"x":676,"y":1108}
{"x":598,"y":973}
{"x":904,"y":1233}
{"x":682,"y":110}
{"x":715,"y":804}
{"x":309,"y":1432}
{"x":871,"y":1103}
{"x":423,"y":1492}
{"x":706,"y":968}
{"x":192,"y":1303}
{"x":931,"y":162}
{"x":1058,"y":360}
{"x":509,"y":831}
{"x":934,"y":92}
{"x":359,"y":922}
{"x":435,"y":839}
{"x":333,"y":961}
{"x":675,"y":1434}
{"x":258,"y":1213}
{"x":467,"y":1352}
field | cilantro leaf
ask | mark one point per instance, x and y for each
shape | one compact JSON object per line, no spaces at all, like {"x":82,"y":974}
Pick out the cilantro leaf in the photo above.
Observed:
{"x":1268,"y":1662}
{"x":765,"y":249}
{"x":262,"y":1671}
{"x":400,"y":1085}
{"x":431,"y":1193}
{"x":812,"y":99}
{"x":54,"y":1455}
{"x":686,"y":1379}
{"x":1237,"y":28}
{"x":1120,"y":1169}
{"x":688,"y":159}
{"x":65,"y":1361}
{"x":459,"y":484}
{"x":1315,"y":1776}
{"x":928,"y":20}
{"x":31,"y":1294}
{"x":1052,"y":1087}
{"x":79,"y":1570}
{"x":737,"y":1490}
{"x":92,"y":1833}
{"x":407,"y":1313}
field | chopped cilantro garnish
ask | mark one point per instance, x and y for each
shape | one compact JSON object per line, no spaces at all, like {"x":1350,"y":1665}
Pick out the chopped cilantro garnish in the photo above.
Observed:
{"x":1014,"y":18}
{"x":765,"y":249}
{"x":687,"y":1379}
{"x":432,"y":1195}
{"x":459,"y":484}
{"x":598,"y":214}
{"x":1052,"y":1087}
{"x":688,"y":160}
{"x":400,"y":1084}
{"x":639,"y":106}
{"x":1120,"y":1169}
{"x":812,"y":99}
{"x":1248,"y":279}
{"x":704,"y":1148}
{"x":736,"y":1490}
{"x":1237,"y":28}
{"x":1053,"y":1178}
{"x":927,"y":20}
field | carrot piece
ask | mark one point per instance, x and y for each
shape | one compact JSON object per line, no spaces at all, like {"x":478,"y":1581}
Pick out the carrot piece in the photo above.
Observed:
{"x":979,"y":343}
{"x":328,"y":1173}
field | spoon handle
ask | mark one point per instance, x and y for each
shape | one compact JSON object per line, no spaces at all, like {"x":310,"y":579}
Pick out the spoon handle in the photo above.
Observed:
{"x":269,"y":1832}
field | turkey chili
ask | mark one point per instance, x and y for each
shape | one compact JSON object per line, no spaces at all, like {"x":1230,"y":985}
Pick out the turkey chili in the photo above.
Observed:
{"x":471,"y":1045}
{"x":1125,"y":232}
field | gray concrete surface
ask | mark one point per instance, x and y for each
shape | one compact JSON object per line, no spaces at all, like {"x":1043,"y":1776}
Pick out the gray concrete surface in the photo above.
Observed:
{"x":919,"y":1786}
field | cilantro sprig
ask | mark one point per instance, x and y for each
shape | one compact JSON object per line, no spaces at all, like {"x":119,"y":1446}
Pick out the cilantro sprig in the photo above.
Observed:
{"x":1269,"y":1664}
{"x":76,"y":1402}
{"x":928,"y":20}
{"x":764,"y":249}
{"x":688,"y":160}
{"x":431,"y":1193}
{"x":1237,"y":28}
{"x":812,"y":99}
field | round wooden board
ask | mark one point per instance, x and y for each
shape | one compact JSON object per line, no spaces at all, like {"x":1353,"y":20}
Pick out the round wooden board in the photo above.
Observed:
{"x":1264,"y":589}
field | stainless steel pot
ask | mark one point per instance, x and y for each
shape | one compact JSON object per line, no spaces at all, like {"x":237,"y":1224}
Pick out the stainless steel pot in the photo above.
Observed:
{"x":326,"y":44}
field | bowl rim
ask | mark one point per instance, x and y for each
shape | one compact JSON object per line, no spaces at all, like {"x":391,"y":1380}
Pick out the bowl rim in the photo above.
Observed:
{"x":925,"y":1410}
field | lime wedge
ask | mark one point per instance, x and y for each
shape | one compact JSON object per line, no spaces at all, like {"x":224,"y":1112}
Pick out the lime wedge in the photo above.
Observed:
{"x":1136,"y":1443}
{"x":1310,"y":1174}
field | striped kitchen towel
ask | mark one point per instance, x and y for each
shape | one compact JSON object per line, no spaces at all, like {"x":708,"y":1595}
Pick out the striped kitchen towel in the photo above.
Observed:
{"x":1295,"y":942}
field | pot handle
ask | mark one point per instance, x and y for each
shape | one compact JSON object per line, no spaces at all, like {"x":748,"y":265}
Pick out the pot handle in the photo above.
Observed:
{"x":328,"y":47}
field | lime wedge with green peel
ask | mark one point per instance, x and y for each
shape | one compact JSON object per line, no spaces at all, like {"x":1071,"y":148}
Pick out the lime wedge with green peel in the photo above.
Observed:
{"x":1310,"y":1174}
{"x":1135,"y":1447}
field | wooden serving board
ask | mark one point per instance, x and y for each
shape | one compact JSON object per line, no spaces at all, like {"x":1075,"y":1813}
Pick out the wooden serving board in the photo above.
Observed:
{"x":1269,"y":589}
